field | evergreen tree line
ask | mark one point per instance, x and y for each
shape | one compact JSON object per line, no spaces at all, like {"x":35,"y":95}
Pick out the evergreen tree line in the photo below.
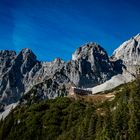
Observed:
{"x":67,"y":119}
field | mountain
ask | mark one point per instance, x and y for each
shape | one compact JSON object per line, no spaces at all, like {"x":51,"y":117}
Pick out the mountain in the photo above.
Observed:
{"x":127,"y":59}
{"x":129,"y":51}
{"x":25,"y":79}
{"x":21,"y":72}
{"x":94,"y":65}
{"x":102,"y":102}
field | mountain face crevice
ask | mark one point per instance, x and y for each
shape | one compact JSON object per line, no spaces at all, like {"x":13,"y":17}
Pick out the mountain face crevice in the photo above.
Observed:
{"x":22,"y":73}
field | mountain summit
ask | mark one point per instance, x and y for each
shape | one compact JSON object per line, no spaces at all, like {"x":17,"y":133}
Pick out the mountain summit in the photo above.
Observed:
{"x":129,"y":51}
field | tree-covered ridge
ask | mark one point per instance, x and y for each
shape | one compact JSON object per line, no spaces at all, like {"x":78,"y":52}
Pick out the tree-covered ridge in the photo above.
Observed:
{"x":69,"y":119}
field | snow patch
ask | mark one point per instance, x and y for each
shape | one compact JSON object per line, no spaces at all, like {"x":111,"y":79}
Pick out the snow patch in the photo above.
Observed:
{"x":74,"y":57}
{"x":7,"y":110}
{"x":110,"y":84}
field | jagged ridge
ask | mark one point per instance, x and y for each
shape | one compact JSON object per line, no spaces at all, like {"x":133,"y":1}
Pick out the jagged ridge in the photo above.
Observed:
{"x":90,"y":66}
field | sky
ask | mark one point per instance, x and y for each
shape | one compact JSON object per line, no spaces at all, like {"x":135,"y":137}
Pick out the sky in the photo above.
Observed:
{"x":55,"y":28}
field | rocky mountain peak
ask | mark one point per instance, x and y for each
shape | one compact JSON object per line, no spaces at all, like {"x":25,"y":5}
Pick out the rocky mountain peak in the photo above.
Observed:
{"x":27,"y":54}
{"x":91,"y":60}
{"x":89,"y":67}
{"x":129,"y":51}
{"x":58,"y":60}
{"x":88,"y":51}
{"x":25,"y":60}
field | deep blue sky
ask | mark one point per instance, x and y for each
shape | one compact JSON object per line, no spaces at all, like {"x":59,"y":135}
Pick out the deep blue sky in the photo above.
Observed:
{"x":55,"y":28}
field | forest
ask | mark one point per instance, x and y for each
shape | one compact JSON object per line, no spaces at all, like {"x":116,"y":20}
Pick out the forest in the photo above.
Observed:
{"x":65,"y":118}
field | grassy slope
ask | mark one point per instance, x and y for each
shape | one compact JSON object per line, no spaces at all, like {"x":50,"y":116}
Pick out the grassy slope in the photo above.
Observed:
{"x":85,"y":118}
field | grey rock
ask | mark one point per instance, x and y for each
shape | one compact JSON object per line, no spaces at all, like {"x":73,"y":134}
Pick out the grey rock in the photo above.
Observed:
{"x":129,"y":54}
{"x":129,"y":51}
{"x":23,"y":77}
{"x":6,"y":58}
{"x":93,"y":65}
{"x":13,"y":77}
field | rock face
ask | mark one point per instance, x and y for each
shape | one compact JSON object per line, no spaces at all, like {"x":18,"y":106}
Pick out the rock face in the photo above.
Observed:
{"x":93,"y":65}
{"x":18,"y":73}
{"x":6,"y":58}
{"x":22,"y":76}
{"x":129,"y":51}
{"x":13,"y":74}
{"x":126,"y":59}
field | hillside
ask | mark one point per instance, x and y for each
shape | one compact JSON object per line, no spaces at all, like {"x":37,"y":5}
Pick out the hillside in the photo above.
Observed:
{"x":77,"y":118}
